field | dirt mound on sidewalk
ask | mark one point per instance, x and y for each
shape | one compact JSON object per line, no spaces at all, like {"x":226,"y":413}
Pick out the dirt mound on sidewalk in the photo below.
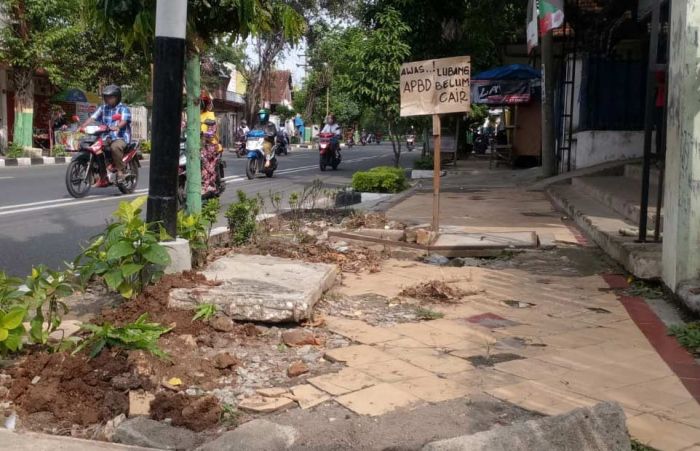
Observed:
{"x":434,"y":291}
{"x":195,"y":413}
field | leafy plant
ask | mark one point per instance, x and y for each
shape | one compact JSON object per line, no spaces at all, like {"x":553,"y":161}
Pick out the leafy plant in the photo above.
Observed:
{"x":427,"y":314}
{"x":59,"y":150}
{"x":10,"y":295}
{"x":127,"y":255}
{"x":382,"y":179}
{"x":145,"y":147}
{"x":230,"y":416}
{"x":241,"y":216}
{"x":11,"y":329}
{"x":205,"y":312}
{"x":137,"y":335}
{"x":193,"y":228}
{"x":639,"y":446}
{"x":688,"y":335}
{"x":425,"y":163}
{"x":14,"y":150}
{"x":46,"y":288}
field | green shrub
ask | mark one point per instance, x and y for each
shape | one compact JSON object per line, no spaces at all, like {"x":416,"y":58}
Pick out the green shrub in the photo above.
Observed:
{"x":136,"y":335}
{"x":145,"y":147}
{"x":688,"y":335}
{"x":127,"y":255}
{"x":382,"y":179}
{"x":241,"y":216}
{"x":59,"y":150}
{"x":46,"y":288}
{"x":14,"y":150}
{"x":425,"y":163}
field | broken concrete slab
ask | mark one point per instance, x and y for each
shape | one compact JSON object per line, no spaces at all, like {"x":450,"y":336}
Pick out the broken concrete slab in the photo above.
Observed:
{"x":384,"y":234}
{"x":260,"y":288}
{"x":256,"y":435}
{"x":308,"y":396}
{"x":490,"y":240}
{"x":346,"y":381}
{"x":601,"y":427}
{"x":31,"y":441}
{"x":154,"y":434}
{"x":261,"y":404}
{"x":140,"y":403}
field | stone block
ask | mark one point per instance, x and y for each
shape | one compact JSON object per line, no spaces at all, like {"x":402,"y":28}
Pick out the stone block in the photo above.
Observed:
{"x":256,"y":435}
{"x":180,"y":256}
{"x":601,"y":427}
{"x":154,"y":434}
{"x":383,"y":234}
{"x":140,"y":403}
{"x":260,"y":288}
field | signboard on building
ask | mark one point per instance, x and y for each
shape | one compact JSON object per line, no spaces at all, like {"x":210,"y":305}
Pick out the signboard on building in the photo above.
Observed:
{"x":436,"y":86}
{"x":501,"y":92}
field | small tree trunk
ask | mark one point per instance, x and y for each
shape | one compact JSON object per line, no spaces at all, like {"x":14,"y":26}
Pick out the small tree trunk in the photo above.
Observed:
{"x":24,"y":107}
{"x":194,"y":170}
{"x":395,"y":143}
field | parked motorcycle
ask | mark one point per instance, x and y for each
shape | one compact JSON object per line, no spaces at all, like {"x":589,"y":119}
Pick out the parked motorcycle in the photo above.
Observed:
{"x":92,"y":166}
{"x":410,"y":142}
{"x":329,"y":152}
{"x":257,"y":162}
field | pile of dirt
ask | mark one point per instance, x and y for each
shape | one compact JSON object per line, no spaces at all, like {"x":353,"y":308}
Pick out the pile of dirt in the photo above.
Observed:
{"x":434,"y":291}
{"x":154,"y":301}
{"x":195,"y":413}
{"x":73,"y":389}
{"x":352,"y":260}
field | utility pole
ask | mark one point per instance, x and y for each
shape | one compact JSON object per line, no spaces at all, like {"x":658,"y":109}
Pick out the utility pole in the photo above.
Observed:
{"x":328,"y":100}
{"x":171,"y":20}
{"x":548,"y":154}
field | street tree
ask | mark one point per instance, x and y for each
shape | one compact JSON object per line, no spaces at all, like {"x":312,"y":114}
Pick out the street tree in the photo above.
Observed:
{"x":27,"y":36}
{"x":376,"y":59}
{"x":208,"y":21}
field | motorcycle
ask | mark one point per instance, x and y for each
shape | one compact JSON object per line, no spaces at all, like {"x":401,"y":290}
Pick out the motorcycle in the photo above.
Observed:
{"x":350,"y":142}
{"x":257,"y":162}
{"x":282,"y":146}
{"x":211,"y":163}
{"x":329,"y":153}
{"x":92,"y":165}
{"x":363,"y":139}
{"x":410,"y":142}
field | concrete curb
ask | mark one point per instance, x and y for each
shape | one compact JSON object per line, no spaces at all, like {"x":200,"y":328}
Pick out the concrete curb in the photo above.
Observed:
{"x":43,"y":161}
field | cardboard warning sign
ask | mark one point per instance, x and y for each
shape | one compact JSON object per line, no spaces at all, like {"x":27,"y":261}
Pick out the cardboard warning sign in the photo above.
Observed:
{"x":436,"y":86}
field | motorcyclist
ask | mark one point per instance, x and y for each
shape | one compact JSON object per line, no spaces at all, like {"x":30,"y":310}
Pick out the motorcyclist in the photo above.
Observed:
{"x":242,"y":130}
{"x":270,"y":131}
{"x":332,"y":127}
{"x":119,"y":131}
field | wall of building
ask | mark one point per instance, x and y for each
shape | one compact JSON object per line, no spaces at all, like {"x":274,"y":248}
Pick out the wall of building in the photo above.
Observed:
{"x":681,"y":244}
{"x":593,"y":147}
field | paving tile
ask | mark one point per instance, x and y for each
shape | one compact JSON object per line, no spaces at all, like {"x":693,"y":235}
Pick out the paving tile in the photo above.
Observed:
{"x":346,"y":381}
{"x":596,"y":355}
{"x":573,"y":340}
{"x":308,"y":396}
{"x":532,"y":369}
{"x":657,"y":395}
{"x":662,"y":434}
{"x":393,"y":370}
{"x":437,"y":362}
{"x":596,"y":382}
{"x":377,"y":400}
{"x":541,"y":398}
{"x":428,"y":335}
{"x":687,"y":412}
{"x":463,"y":329}
{"x":482,"y":379}
{"x":357,"y":355}
{"x":433,"y":388}
{"x":404,"y":344}
{"x":359,"y":330}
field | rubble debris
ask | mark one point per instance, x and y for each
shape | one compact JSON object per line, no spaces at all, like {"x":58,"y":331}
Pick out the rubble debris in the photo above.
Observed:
{"x":140,"y":403}
{"x":225,"y":360}
{"x":222,"y":324}
{"x":297,"y":369}
{"x":308,"y":396}
{"x":261,"y":404}
{"x":300,"y":337}
{"x":434,"y":291}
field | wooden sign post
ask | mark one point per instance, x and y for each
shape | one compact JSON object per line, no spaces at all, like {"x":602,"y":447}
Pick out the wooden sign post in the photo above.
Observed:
{"x":436,"y":87}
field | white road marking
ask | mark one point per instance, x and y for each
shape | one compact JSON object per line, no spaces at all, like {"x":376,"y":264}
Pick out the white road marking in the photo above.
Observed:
{"x":69,"y":202}
{"x":6,"y":178}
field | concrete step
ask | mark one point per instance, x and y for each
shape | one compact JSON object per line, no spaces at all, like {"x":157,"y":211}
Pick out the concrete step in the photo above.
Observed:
{"x":603,"y":226}
{"x":634,"y":171}
{"x":621,"y":194}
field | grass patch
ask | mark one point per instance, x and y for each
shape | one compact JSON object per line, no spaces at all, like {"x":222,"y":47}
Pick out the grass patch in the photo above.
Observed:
{"x":639,"y":446}
{"x":688,"y":335}
{"x":426,"y":314}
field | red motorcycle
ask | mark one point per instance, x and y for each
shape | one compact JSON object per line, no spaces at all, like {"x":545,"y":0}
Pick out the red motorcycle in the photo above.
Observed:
{"x":92,"y":166}
{"x":329,"y":151}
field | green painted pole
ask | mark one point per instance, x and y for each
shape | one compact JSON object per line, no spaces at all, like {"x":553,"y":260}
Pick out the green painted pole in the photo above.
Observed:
{"x":194,"y":170}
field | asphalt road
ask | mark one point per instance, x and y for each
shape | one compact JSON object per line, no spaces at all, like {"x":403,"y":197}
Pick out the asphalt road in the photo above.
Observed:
{"x":41,"y":223}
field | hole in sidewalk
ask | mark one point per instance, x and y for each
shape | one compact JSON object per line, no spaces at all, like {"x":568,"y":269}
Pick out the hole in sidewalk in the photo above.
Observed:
{"x":535,"y":214}
{"x":494,"y":359}
{"x":518,"y":304}
{"x":598,"y":310}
